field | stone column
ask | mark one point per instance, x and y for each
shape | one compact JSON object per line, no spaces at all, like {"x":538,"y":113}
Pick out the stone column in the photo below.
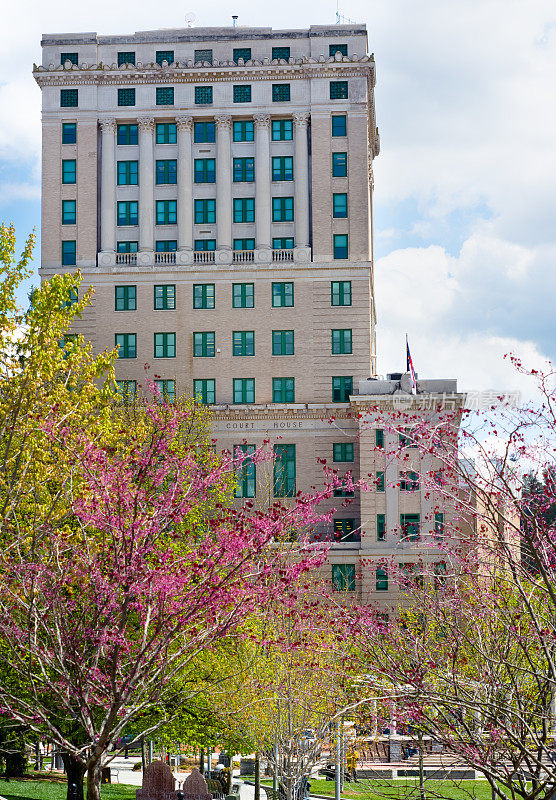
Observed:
{"x":223,"y":182}
{"x":301,"y":178}
{"x":108,"y":186}
{"x":185,"y":184}
{"x":262,"y":181}
{"x":146,"y":184}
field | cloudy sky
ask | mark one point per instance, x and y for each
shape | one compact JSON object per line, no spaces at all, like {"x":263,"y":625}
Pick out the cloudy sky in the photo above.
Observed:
{"x":465,"y":206}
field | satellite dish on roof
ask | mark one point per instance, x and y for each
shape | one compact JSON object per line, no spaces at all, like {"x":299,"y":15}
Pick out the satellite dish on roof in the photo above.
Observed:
{"x":190,"y":18}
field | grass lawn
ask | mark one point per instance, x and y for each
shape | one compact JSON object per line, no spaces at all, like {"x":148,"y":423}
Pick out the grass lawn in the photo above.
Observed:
{"x":396,"y":790}
{"x":32,"y":789}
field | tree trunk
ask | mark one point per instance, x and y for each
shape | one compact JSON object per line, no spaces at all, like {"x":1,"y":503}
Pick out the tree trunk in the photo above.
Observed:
{"x":231,"y":773}
{"x":202,"y":760}
{"x":75,"y":770}
{"x":143,"y":754}
{"x":422,"y":793}
{"x":94,"y":776}
{"x":257,"y":777}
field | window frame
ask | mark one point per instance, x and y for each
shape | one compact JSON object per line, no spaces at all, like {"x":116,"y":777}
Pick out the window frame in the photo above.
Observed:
{"x":282,"y":291}
{"x":342,"y":341}
{"x":204,"y":295}
{"x":68,"y":252}
{"x":343,"y":452}
{"x":131,"y":215}
{"x":126,"y":170}
{"x":164,"y":96}
{"x":243,"y":130}
{"x":166,"y":171}
{"x":128,"y":299}
{"x":69,"y":171}
{"x":204,"y":344}
{"x":126,"y":97}
{"x":282,"y":391}
{"x":241,"y":93}
{"x":204,"y":131}
{"x":164,"y":297}
{"x":67,"y":126}
{"x":342,"y":578}
{"x":131,"y":130}
{"x":243,"y":344}
{"x":344,"y":381}
{"x":282,"y":169}
{"x":203,"y":95}
{"x":244,"y":295}
{"x":285,"y":477}
{"x":164,"y":344}
{"x":243,"y":169}
{"x":338,"y":90}
{"x":281,"y":92}
{"x":246,"y":473}
{"x":167,"y":211}
{"x":245,"y":386}
{"x":337,"y":209}
{"x":283,"y":209}
{"x":335,"y":118}
{"x":340,"y":293}
{"x":127,"y":346}
{"x":166,"y":133}
{"x":69,"y":98}
{"x":243,"y":210}
{"x":282,"y":342}
{"x":205,"y":171}
{"x":204,"y":391}
{"x":340,"y":246}
{"x":72,"y":220}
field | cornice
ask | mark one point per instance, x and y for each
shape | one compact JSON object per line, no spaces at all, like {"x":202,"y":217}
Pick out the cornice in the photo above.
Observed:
{"x":276,"y":412}
{"x":188,"y":72}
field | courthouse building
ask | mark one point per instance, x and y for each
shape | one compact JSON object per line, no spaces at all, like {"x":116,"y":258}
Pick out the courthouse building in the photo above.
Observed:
{"x":215,"y":186}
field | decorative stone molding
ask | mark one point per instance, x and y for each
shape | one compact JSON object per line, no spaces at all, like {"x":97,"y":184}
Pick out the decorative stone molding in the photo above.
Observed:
{"x":301,"y":120}
{"x":108,"y":125}
{"x":146,"y":123}
{"x":262,"y":120}
{"x":184,"y":122}
{"x":223,"y":121}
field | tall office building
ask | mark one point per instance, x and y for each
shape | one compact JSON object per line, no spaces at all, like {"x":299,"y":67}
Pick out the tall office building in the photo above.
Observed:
{"x":214,"y":185}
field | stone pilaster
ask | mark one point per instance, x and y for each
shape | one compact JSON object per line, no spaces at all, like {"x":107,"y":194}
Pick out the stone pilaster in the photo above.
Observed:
{"x":262,"y":181}
{"x":224,"y":182}
{"x":301,"y":177}
{"x":185,"y":184}
{"x":108,"y":186}
{"x":146,"y":184}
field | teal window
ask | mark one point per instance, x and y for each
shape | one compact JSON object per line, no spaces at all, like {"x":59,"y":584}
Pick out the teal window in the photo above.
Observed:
{"x":244,"y":244}
{"x":204,"y":245}
{"x":379,"y":438}
{"x":339,"y":205}
{"x":439,"y":525}
{"x":284,"y":470}
{"x":341,"y":341}
{"x":165,"y":345}
{"x":164,"y":55}
{"x":128,"y":212}
{"x":167,"y":171}
{"x":73,"y":297}
{"x":243,"y":295}
{"x":280,"y":52}
{"x":338,"y":90}
{"x":205,"y":212}
{"x":342,"y":451}
{"x":128,"y":172}
{"x":242,"y":52}
{"x":126,"y":344}
{"x":166,"y":212}
{"x":244,"y":170}
{"x":345,"y":530}
{"x":126,"y":57}
{"x":69,"y":98}
{"x":282,"y":295}
{"x":381,"y":527}
{"x":69,"y":170}
{"x":165,"y":96}
{"x":69,"y":212}
{"x":166,"y":133}
{"x":127,"y":390}
{"x":282,"y":130}
{"x":126,"y":97}
{"x":280,"y":92}
{"x":282,"y":209}
{"x":283,"y":390}
{"x":282,"y":343}
{"x":203,"y":295}
{"x":202,"y":55}
{"x":69,"y":253}
{"x":246,"y":472}
{"x":343,"y":577}
{"x":342,"y":388}
{"x":244,"y":209}
{"x":339,"y":125}
{"x":72,"y":57}
{"x":343,"y":491}
{"x":244,"y":390}
{"x":204,"y":390}
{"x":244,"y":130}
{"x":203,"y":344}
{"x":204,"y":170}
{"x":409,"y":481}
{"x":165,"y":297}
{"x":125,"y":298}
{"x":204,"y":132}
{"x":439,"y":574}
{"x":407,"y":439}
{"x":410,"y":525}
{"x":340,"y":245}
{"x":243,"y":343}
{"x":282,"y":168}
{"x":203,"y":95}
{"x":166,"y":245}
{"x":167,"y":389}
{"x":282,"y":243}
{"x":380,"y":481}
{"x":337,"y":48}
{"x":128,"y":134}
{"x":69,"y":132}
{"x":339,"y":165}
{"x":381,"y":579}
{"x":340,"y":293}
{"x":242,"y":94}
{"x":127,"y":247}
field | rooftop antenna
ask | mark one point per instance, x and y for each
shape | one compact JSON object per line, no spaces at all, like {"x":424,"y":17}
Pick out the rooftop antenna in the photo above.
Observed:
{"x":190,"y":18}
{"x":340,"y":18}
{"x":234,"y":20}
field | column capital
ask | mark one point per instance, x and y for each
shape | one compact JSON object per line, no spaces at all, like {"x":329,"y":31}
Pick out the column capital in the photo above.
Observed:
{"x":107,"y":124}
{"x":262,"y":120}
{"x":184,"y":122}
{"x":146,"y":123}
{"x":223,"y":121}
{"x":301,"y":120}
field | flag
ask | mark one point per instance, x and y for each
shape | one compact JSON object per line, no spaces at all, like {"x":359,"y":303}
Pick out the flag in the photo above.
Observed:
{"x":410,"y":368}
